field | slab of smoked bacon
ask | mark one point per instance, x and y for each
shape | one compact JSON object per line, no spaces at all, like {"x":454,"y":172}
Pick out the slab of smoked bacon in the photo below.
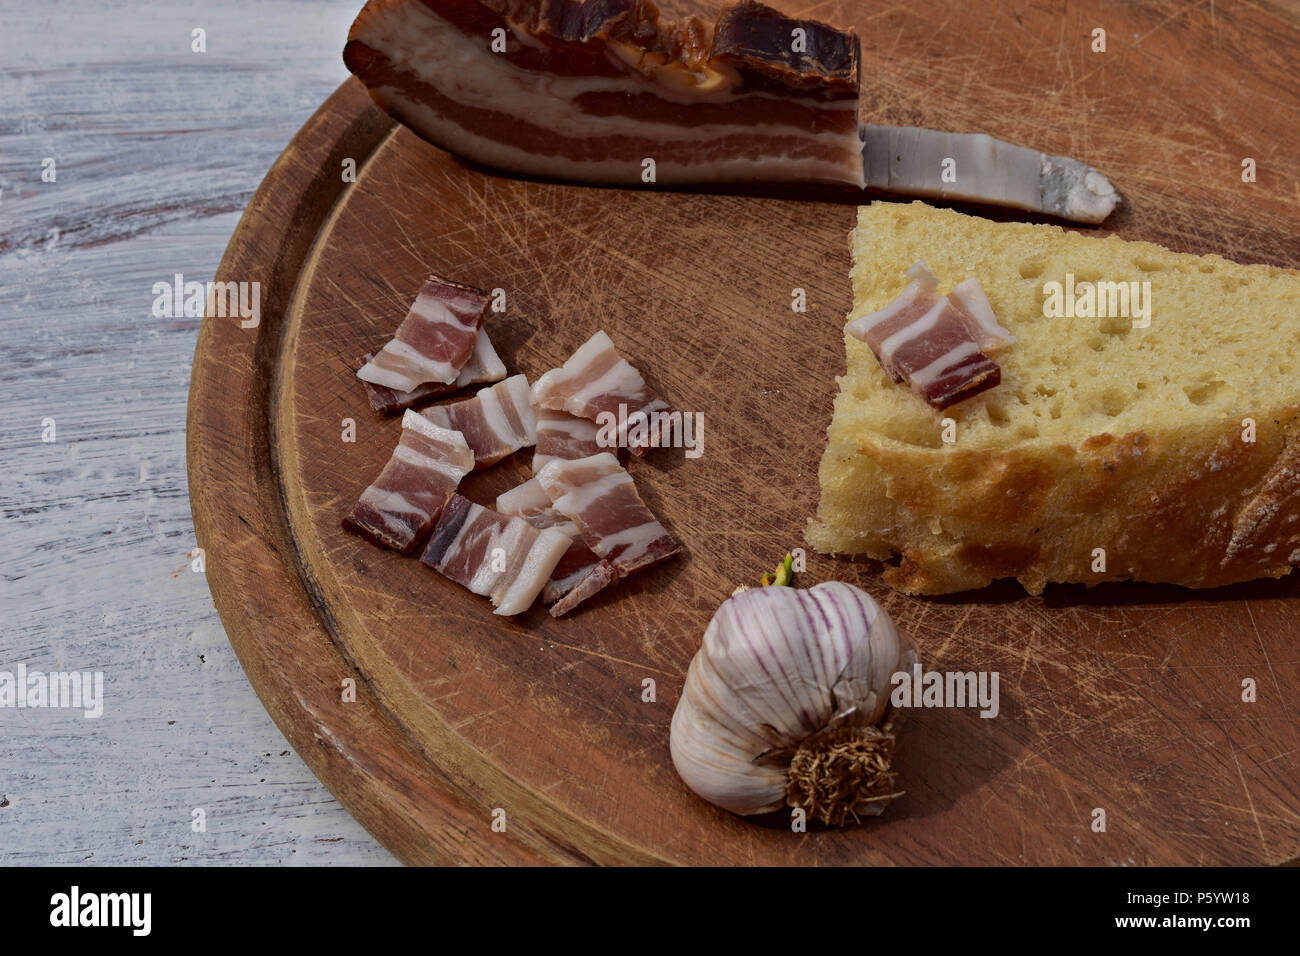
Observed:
{"x":590,"y":89}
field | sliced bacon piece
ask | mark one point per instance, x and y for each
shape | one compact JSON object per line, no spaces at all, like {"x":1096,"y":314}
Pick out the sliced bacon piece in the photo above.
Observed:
{"x":596,"y":380}
{"x":503,"y":558}
{"x":483,"y":365}
{"x":426,"y":467}
{"x":580,"y":573}
{"x":599,"y":496}
{"x":588,"y":89}
{"x":916,"y":299}
{"x":563,"y":436}
{"x":934,"y":343}
{"x":972,"y":307}
{"x":496,"y":422}
{"x":434,"y":341}
{"x":580,"y":569}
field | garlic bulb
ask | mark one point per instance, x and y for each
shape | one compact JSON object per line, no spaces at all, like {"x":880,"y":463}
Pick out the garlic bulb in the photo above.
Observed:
{"x":787,"y":704}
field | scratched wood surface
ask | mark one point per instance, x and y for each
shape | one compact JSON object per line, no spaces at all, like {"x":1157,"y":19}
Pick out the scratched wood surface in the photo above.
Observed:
{"x":1126,"y":698}
{"x":157,"y":151}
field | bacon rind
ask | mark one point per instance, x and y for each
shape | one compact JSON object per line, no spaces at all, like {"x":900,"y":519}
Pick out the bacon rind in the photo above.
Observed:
{"x":568,"y":595}
{"x":962,"y":382}
{"x":757,"y":38}
{"x":397,"y":509}
{"x":745,"y":63}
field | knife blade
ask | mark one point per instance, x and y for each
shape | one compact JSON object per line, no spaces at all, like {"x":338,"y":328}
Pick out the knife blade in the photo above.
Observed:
{"x":976,"y":167}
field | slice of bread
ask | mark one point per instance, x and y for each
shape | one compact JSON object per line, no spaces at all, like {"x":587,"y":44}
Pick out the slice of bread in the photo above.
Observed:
{"x":1108,"y":451}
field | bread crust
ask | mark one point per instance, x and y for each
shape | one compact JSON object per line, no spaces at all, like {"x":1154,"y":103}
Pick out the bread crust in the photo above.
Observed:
{"x":1199,"y":508}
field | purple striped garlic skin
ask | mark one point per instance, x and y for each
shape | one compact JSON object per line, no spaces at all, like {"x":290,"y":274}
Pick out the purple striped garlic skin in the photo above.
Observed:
{"x":778,"y":665}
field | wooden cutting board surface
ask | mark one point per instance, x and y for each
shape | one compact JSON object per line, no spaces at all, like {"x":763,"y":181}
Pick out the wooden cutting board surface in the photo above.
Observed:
{"x":1126,"y":698}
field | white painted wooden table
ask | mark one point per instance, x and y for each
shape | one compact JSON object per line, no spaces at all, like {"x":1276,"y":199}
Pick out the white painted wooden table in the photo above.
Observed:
{"x":156,"y":150}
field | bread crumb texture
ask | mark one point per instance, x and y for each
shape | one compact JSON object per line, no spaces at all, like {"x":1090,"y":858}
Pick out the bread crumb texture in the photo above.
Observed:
{"x":1102,"y":435}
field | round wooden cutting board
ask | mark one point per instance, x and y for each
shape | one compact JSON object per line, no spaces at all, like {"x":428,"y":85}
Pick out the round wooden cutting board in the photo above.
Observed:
{"x":1124,"y":699}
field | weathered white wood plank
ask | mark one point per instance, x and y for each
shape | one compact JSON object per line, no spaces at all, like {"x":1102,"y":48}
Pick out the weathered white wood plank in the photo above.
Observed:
{"x":156,"y":149}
